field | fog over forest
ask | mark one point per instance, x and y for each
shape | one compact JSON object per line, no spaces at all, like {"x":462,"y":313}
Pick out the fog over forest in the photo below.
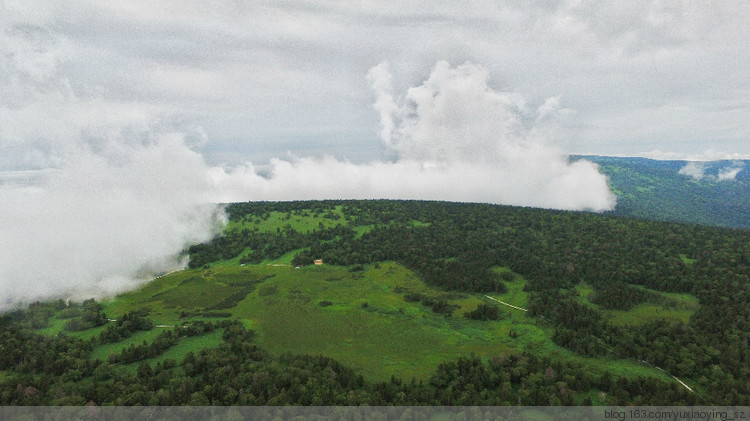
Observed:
{"x":123,"y":126}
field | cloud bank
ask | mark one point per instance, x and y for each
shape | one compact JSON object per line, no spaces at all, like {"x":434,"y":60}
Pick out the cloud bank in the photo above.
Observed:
{"x":455,"y":121}
{"x":97,"y":194}
{"x":121,"y":191}
{"x":121,"y":123}
{"x":697,"y":170}
{"x":453,"y":137}
{"x":101,"y":190}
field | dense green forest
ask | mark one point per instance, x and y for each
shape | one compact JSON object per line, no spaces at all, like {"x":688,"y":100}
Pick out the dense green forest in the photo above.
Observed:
{"x":580,"y":274}
{"x":652,"y":189}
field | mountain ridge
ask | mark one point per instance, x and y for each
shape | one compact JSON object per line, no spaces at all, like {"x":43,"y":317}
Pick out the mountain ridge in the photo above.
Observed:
{"x":714,"y":193}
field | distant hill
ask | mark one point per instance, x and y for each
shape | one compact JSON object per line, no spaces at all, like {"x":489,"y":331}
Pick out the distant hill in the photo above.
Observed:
{"x":709,"y":193}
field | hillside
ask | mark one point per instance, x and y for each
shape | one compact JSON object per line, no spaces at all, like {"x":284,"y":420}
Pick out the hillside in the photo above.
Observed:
{"x":708,"y":193}
{"x":415,"y":303}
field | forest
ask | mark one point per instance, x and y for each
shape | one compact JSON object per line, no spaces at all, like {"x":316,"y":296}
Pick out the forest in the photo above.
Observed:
{"x":657,"y":190}
{"x":455,"y":248}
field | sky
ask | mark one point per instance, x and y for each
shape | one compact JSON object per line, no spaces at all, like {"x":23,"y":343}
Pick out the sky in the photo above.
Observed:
{"x":122,"y":124}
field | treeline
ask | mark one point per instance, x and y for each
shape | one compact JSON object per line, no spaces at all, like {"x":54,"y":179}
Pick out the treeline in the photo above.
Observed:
{"x":656,"y":190}
{"x":165,"y":340}
{"x":456,"y":247}
{"x":238,"y":372}
{"x":80,"y":316}
{"x":262,"y":245}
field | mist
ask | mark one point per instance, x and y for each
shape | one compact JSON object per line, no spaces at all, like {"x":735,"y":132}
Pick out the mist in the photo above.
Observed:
{"x":697,"y":170}
{"x":95,"y":227}
{"x":452,"y":137}
{"x":99,"y":196}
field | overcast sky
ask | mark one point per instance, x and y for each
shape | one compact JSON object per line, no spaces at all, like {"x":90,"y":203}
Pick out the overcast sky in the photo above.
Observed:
{"x":122,"y":121}
{"x":259,"y":79}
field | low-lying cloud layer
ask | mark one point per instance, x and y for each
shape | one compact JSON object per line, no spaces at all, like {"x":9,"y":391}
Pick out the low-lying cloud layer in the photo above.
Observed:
{"x":489,"y":141}
{"x":697,"y":170}
{"x":96,"y":227}
{"x":451,"y":138}
{"x":123,"y":123}
{"x":99,"y":192}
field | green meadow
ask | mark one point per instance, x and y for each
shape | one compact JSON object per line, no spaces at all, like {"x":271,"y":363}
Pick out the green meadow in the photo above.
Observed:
{"x":357,"y":315}
{"x":672,"y":308}
{"x":302,"y":221}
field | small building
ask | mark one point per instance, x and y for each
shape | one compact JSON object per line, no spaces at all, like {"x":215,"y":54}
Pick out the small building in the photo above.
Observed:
{"x":318,"y":262}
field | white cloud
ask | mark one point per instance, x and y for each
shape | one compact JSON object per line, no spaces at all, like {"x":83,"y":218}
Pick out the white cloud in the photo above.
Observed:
{"x":708,"y":155}
{"x":102,"y":194}
{"x":697,"y":170}
{"x":103,"y":104}
{"x":103,"y":222}
{"x":455,"y":121}
{"x":640,"y":75}
{"x":694,"y":169}
{"x":730,"y":172}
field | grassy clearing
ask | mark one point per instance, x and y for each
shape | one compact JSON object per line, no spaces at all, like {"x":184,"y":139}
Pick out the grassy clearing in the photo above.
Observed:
{"x":678,"y":308}
{"x":367,"y":325}
{"x":191,"y":291}
{"x":686,"y":260}
{"x":177,"y":353}
{"x":644,"y":313}
{"x":359,"y":317}
{"x":56,"y":325}
{"x":584,"y":291}
{"x":362,"y":230}
{"x":101,"y":352}
{"x":88,"y":333}
{"x":515,"y":295}
{"x":285,"y":259}
{"x":302,"y":222}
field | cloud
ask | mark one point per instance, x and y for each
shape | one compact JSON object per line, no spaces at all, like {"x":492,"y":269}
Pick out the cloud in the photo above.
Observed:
{"x":694,"y":169}
{"x":121,"y":191}
{"x":697,"y":170}
{"x":103,"y":222}
{"x":380,"y":80}
{"x":730,"y":172}
{"x":98,"y":195}
{"x":456,"y":123}
{"x":102,"y":119}
{"x":453,"y":137}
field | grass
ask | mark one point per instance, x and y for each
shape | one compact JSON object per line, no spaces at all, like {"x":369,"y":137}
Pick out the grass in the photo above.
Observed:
{"x":302,"y":222}
{"x":678,"y":308}
{"x":515,"y":295}
{"x":644,"y":313}
{"x":368,"y":325}
{"x":177,"y":352}
{"x":101,"y":352}
{"x":688,"y":261}
{"x":55,"y":326}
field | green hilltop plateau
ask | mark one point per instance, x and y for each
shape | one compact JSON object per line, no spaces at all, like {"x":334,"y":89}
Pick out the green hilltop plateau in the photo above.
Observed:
{"x":407,"y":303}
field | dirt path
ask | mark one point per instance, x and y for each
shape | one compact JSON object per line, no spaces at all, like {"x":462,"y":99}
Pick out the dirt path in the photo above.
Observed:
{"x":674,"y":377}
{"x":644,"y":362}
{"x":503,"y":302}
